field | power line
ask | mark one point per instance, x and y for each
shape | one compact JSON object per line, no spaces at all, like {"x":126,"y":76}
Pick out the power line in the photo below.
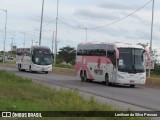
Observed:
{"x":114,"y":21}
{"x":123,"y":17}
{"x":49,"y":22}
{"x":67,"y":24}
{"x":43,"y":26}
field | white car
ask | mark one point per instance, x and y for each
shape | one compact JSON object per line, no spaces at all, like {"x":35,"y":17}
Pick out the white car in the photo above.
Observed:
{"x":10,"y":58}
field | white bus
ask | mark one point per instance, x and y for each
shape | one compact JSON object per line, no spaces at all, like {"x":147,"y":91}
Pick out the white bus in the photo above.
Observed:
{"x":114,"y":63}
{"x":36,"y":58}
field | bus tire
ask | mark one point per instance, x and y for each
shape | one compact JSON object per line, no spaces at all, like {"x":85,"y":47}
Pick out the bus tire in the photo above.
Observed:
{"x":30,"y":69}
{"x":19,"y":67}
{"x":81,"y":76}
{"x":132,"y":86}
{"x":85,"y":76}
{"x":107,"y":80}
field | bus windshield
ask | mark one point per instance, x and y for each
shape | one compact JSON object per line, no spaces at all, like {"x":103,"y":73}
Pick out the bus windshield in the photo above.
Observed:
{"x":42,"y":57}
{"x":131,"y":60}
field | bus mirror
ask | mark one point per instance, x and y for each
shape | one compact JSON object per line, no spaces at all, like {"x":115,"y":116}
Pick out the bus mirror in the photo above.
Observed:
{"x":121,"y":62}
{"x":142,"y":58}
{"x":117,"y":53}
{"x":148,"y":54}
{"x":52,"y":55}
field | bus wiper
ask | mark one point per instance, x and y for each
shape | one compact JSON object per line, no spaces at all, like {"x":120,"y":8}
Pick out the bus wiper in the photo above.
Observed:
{"x":134,"y":69}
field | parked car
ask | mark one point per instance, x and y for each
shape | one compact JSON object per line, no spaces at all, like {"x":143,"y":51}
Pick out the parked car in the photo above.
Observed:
{"x":1,"y":57}
{"x":10,"y":58}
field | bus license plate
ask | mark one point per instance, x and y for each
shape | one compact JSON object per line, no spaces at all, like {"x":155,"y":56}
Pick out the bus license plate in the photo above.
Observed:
{"x":131,"y":81}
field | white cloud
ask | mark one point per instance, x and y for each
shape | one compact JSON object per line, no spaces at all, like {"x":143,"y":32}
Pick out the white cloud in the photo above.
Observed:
{"x":24,"y":15}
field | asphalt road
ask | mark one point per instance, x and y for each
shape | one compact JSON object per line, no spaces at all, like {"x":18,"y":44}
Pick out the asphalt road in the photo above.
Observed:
{"x":139,"y":98}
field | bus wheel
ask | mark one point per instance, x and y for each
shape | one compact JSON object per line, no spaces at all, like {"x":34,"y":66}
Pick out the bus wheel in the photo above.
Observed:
{"x":107,"y":80}
{"x":85,"y":77}
{"x":81,"y":76}
{"x":46,"y":72}
{"x":19,"y":67}
{"x":132,"y":86}
{"x":30,"y":70}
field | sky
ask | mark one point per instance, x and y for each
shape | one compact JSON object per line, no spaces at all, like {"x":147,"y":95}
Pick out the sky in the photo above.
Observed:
{"x":77,"y":16}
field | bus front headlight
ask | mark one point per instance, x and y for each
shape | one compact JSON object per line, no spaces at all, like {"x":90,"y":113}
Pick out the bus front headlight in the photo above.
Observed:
{"x":142,"y":78}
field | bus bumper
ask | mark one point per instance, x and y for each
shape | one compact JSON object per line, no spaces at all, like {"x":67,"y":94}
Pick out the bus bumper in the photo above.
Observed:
{"x":42,"y":68}
{"x":130,"y":81}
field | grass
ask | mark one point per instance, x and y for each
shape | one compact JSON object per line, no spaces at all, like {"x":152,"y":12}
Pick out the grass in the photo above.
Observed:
{"x":8,"y":62}
{"x":155,"y":75}
{"x":66,"y":71}
{"x":65,"y":66}
{"x":21,"y":94}
{"x":153,"y":81}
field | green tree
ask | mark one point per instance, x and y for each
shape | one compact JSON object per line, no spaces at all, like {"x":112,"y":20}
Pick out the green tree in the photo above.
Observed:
{"x":67,"y":54}
{"x":2,"y":52}
{"x":156,"y":69}
{"x":154,"y":55}
{"x":144,"y":45}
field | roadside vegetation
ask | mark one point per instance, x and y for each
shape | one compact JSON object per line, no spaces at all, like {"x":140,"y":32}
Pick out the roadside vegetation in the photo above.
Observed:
{"x":21,"y":94}
{"x":65,"y":66}
{"x":8,"y":62}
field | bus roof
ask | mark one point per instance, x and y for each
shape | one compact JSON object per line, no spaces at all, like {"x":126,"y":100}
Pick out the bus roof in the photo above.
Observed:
{"x":40,"y":47}
{"x":127,"y":45}
{"x":88,"y":43}
{"x":117,"y":44}
{"x":32,"y":47}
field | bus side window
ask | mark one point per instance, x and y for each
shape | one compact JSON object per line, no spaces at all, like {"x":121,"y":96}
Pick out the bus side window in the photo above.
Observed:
{"x":102,"y":52}
{"x":92,"y":52}
{"x":79,"y":52}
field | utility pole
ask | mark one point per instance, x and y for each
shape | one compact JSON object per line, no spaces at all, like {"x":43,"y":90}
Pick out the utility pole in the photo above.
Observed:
{"x":52,"y":49}
{"x":12,"y":46}
{"x":5,"y":35}
{"x":55,"y":48}
{"x":53,"y":41}
{"x":86,"y":34}
{"x":32,"y":42}
{"x":24,"y":39}
{"x":149,"y":72}
{"x":24,"y":35}
{"x":40,"y":35}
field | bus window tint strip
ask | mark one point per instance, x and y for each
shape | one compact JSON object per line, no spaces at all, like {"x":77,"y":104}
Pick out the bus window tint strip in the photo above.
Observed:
{"x":92,"y":50}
